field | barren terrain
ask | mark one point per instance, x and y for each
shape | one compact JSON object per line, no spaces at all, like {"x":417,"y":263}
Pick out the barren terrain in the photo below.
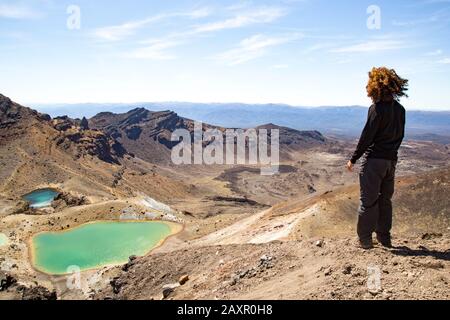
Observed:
{"x":287,"y":236}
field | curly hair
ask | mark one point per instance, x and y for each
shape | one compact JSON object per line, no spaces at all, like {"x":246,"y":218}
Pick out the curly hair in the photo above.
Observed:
{"x":384,"y":84}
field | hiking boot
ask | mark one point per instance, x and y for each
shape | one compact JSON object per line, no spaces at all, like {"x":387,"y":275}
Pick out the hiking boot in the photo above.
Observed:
{"x":366,"y":244}
{"x":385,"y":241}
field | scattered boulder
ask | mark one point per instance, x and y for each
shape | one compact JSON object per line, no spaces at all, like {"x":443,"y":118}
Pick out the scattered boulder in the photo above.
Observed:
{"x":311,"y":189}
{"x":65,"y":199}
{"x":347,"y":269}
{"x":183,"y":279}
{"x":84,"y":124}
{"x":6,"y":281}
{"x":431,"y":236}
{"x":117,"y":177}
{"x":130,"y":263}
{"x":266,"y":262}
{"x":168,"y":289}
{"x":234,"y":279}
{"x":45,"y":117}
{"x":22,"y":207}
{"x":63,"y":123}
{"x":319,"y":243}
{"x":37,"y":293}
{"x":116,"y":285}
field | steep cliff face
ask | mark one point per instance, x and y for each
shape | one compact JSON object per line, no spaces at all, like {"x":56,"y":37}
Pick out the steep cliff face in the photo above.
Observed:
{"x":92,"y":143}
{"x":143,"y":133}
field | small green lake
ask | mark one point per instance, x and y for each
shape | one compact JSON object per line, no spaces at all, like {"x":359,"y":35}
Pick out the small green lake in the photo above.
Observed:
{"x":3,"y":239}
{"x":95,"y":245}
{"x":41,"y":198}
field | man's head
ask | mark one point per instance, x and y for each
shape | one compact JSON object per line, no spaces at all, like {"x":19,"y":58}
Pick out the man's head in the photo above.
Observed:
{"x":385,"y":85}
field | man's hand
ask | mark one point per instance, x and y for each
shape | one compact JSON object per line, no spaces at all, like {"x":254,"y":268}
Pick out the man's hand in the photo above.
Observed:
{"x":350,"y":166}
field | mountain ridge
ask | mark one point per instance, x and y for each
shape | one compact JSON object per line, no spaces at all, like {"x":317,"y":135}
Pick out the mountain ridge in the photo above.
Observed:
{"x":340,"y":121}
{"x":147,"y":134}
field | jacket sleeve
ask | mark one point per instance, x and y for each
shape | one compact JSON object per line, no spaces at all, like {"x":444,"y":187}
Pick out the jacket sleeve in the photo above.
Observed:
{"x":368,"y":134}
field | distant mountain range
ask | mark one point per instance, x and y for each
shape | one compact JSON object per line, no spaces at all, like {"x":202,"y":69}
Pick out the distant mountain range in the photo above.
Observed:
{"x":338,"y":121}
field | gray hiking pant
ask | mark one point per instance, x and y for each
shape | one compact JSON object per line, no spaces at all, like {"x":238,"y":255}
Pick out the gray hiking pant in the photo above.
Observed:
{"x":377,"y":179}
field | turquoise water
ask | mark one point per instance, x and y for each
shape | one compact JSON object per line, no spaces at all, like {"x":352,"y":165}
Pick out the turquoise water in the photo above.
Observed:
{"x":96,"y":245}
{"x":3,"y":239}
{"x":41,"y":198}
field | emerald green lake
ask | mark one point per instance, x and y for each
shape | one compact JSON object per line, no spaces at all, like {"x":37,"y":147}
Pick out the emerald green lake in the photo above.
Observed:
{"x":96,"y":245}
{"x":41,"y":198}
{"x":3,"y":239}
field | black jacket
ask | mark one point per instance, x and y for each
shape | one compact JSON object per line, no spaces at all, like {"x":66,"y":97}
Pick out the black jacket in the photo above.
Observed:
{"x":383,"y":133}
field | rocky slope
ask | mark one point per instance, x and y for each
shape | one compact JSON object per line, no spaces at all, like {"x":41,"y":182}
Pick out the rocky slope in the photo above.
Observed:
{"x":144,"y":133}
{"x":38,"y":151}
{"x":330,"y":268}
{"x":307,"y":250}
{"x":18,"y":122}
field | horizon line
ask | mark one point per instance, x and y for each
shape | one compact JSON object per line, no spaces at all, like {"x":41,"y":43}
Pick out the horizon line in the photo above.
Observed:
{"x":34,"y":104}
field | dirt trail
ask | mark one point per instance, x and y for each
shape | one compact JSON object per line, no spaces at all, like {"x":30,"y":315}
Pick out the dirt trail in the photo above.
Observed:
{"x":262,"y":227}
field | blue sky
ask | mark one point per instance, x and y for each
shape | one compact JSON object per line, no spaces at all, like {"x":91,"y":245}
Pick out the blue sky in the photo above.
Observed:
{"x":299,"y":52}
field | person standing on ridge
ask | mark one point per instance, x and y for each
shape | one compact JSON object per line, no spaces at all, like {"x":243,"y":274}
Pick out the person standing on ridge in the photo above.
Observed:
{"x":379,"y":143}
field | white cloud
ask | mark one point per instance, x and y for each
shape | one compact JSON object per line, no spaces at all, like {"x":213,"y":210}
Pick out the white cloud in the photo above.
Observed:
{"x":255,"y":16}
{"x":413,"y":23}
{"x":17,"y":12}
{"x":155,"y":50}
{"x":253,"y":48}
{"x":238,"y":6}
{"x":246,"y":17}
{"x":114,"y":33}
{"x":197,"y":14}
{"x":318,"y":47}
{"x":372,"y":46}
{"x":280,"y":66}
{"x":445,"y":61}
{"x":158,"y":49}
{"x":118,"y":32}
{"x":434,"y":53}
{"x":436,"y":17}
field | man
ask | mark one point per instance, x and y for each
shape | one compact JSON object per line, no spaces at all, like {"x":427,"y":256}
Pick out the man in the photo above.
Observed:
{"x":379,"y":143}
